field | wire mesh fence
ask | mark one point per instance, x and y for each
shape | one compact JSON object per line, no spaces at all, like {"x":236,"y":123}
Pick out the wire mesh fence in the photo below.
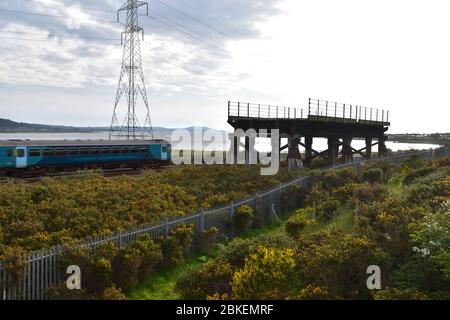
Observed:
{"x":42,"y":269}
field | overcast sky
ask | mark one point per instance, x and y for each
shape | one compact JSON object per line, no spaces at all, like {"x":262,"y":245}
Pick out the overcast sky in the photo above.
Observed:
{"x":198,"y":54}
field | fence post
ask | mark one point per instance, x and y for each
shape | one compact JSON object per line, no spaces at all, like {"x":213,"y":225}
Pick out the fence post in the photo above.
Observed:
{"x":202,"y":220}
{"x":166,"y":227}
{"x":231,"y":215}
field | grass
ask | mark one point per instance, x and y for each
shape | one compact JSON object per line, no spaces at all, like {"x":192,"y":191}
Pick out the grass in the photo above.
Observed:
{"x":343,"y":220}
{"x":161,"y":285}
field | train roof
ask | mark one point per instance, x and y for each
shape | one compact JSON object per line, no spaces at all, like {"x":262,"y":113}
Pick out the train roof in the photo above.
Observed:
{"x":63,"y":143}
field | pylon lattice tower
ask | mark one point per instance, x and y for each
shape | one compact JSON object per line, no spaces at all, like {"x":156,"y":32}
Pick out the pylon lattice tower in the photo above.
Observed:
{"x":131,"y":82}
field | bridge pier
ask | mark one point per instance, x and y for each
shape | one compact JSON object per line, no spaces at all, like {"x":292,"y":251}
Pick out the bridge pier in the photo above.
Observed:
{"x":347,"y":151}
{"x":382,"y":150}
{"x":308,"y":150}
{"x":234,"y":149}
{"x":251,"y":157}
{"x":332,"y":142}
{"x":294,"y":157}
{"x":368,"y":148}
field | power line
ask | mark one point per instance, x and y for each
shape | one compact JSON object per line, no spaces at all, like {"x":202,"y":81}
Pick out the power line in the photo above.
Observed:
{"x":59,"y":35}
{"x":193,"y":18}
{"x":73,"y":6}
{"x":49,"y":40}
{"x":48,"y":15}
{"x":179,"y":29}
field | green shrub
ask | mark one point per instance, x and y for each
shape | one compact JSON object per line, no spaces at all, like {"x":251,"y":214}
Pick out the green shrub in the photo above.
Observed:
{"x":243,"y":219}
{"x":372,"y":175}
{"x":297,"y":222}
{"x":268,"y":274}
{"x":112,"y":293}
{"x":208,"y":240}
{"x":177,"y":245}
{"x":151,"y":256}
{"x":327,"y":210}
{"x":126,"y":268}
{"x":293,"y":197}
{"x":411,"y":177}
{"x":399,"y":294}
{"x":212,"y":277}
{"x":318,"y":163}
{"x":173,"y":252}
{"x":367,"y":193}
{"x":61,"y":292}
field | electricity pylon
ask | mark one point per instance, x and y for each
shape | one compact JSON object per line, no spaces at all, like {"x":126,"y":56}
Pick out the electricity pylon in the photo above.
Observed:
{"x":131,"y":82}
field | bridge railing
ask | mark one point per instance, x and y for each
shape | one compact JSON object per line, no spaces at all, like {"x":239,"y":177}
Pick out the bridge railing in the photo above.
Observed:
{"x":263,"y":111}
{"x":337,"y":112}
{"x":43,"y":268}
{"x":319,"y":110}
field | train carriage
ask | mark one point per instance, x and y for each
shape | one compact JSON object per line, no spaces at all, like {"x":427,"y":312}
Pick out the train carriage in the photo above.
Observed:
{"x":30,"y":155}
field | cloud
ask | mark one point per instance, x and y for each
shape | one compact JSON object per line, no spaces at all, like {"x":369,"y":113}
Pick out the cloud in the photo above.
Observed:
{"x":190,"y":35}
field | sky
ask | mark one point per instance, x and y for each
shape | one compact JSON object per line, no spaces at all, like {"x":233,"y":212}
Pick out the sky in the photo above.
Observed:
{"x":60,"y":59}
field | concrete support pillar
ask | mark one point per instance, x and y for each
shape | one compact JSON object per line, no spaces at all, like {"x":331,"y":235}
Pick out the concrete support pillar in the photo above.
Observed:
{"x":347,"y":149}
{"x":369,"y":148}
{"x":382,"y":150}
{"x":294,"y":157}
{"x":332,"y":141}
{"x":234,"y":149}
{"x":308,"y":150}
{"x":250,"y":152}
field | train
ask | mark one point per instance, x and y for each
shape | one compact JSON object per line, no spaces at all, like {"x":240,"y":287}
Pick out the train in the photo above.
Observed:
{"x":19,"y":156}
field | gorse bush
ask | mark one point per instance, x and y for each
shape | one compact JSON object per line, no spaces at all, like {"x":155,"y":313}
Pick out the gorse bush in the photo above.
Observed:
{"x":267,"y":274}
{"x":211,"y":278}
{"x":208,"y":240}
{"x":298,"y":222}
{"x":243,"y":219}
{"x":411,"y":177}
{"x":40,"y":215}
{"x":372,"y":175}
{"x":327,"y":210}
{"x":177,"y":245}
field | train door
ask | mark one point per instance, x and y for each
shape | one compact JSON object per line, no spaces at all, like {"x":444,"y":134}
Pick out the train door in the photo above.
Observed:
{"x":164,"y":153}
{"x":21,"y":157}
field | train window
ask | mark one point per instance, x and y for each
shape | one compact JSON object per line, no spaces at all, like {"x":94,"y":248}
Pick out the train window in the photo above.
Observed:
{"x":60,"y":151}
{"x":72,"y":151}
{"x":9,"y":153}
{"x":164,"y":149}
{"x":20,"y":153}
{"x":134,"y":149}
{"x":84,"y":150}
{"x":49,"y":152}
{"x":34,"y":152}
{"x":143,"y":149}
{"x":115,"y":150}
{"x":94,"y":151}
{"x":125,"y":149}
{"x":105,"y":150}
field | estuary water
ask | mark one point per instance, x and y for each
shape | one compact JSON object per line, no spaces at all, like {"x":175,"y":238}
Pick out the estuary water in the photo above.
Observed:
{"x":221,"y":145}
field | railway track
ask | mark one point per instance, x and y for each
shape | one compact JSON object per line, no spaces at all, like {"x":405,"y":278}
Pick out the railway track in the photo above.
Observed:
{"x":34,"y":177}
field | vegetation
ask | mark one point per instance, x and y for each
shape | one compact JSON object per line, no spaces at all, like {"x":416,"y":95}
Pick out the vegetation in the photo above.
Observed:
{"x":393,"y":216}
{"x":57,"y":211}
{"x":344,"y":228}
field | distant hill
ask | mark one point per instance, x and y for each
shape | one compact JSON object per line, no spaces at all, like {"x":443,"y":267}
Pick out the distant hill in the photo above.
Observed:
{"x":9,"y":126}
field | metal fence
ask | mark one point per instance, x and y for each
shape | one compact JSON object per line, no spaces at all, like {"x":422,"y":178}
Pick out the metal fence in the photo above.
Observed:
{"x":262,"y":111}
{"x":42,"y":268}
{"x":334,"y":111}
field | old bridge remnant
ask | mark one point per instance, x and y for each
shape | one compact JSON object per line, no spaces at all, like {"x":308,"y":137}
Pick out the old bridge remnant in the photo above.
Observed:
{"x":339,"y":123}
